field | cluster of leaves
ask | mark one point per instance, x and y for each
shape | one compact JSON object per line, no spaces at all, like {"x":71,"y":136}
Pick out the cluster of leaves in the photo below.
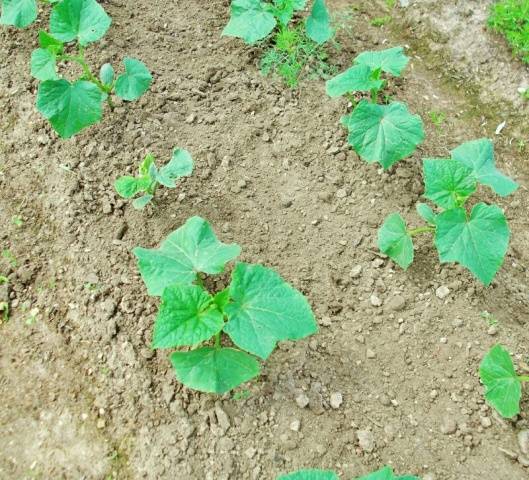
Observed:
{"x":257,"y":310}
{"x":384,"y":133}
{"x":294,"y":47}
{"x":73,"y":106}
{"x":385,"y":473}
{"x":478,"y":240}
{"x":511,"y":18}
{"x":503,"y":386}
{"x":150,"y":177}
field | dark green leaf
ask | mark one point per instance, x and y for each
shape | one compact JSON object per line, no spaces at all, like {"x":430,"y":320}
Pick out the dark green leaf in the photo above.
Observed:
{"x":190,"y":249}
{"x":43,"y":65}
{"x":222,"y":299}
{"x":358,"y":78}
{"x":136,"y":80}
{"x":395,"y":242}
{"x":47,"y":42}
{"x":479,"y":243}
{"x":318,"y":24}
{"x":264,"y":310}
{"x":392,"y":60}
{"x":214,"y":370}
{"x":250,"y":20}
{"x":81,"y":20}
{"x":69,"y":107}
{"x":19,"y":13}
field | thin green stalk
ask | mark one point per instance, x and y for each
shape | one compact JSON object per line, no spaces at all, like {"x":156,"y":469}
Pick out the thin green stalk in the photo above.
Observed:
{"x":523,"y":378}
{"x":420,"y":230}
{"x":374,"y":96}
{"x":217,"y":341}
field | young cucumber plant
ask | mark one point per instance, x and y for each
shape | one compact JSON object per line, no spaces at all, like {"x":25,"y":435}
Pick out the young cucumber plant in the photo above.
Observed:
{"x":256,"y":311}
{"x":503,"y":386}
{"x":73,"y":106}
{"x":150,"y":177}
{"x":20,"y":13}
{"x":478,"y":240}
{"x":294,"y":47}
{"x":377,"y":132}
{"x":385,"y":473}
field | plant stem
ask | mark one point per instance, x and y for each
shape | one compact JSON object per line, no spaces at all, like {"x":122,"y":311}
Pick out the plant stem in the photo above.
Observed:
{"x":217,"y":341}
{"x":418,"y":231}
{"x":523,"y":378}
{"x":374,"y":96}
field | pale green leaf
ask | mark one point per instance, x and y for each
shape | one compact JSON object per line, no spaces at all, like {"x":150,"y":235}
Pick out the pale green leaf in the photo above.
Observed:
{"x":106,"y":74}
{"x":69,"y":107}
{"x":358,"y":78}
{"x":250,"y":20}
{"x":43,"y":65}
{"x":214,"y":370}
{"x":479,"y":243}
{"x":395,"y":242}
{"x":392,"y":60}
{"x":187,"y":317}
{"x":503,"y":387}
{"x":188,"y":250}
{"x":310,"y":475}
{"x":385,"y":473}
{"x":19,"y":13}
{"x":264,"y":310}
{"x":426,"y":213}
{"x":127,"y":186}
{"x":136,"y":80}
{"x":180,"y":165}
{"x":384,"y":133}
{"x":81,"y":20}
{"x":142,"y":201}
{"x":318,"y":24}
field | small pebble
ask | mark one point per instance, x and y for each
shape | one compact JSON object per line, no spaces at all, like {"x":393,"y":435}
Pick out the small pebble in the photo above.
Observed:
{"x":302,"y":400}
{"x":336,"y":400}
{"x":442,"y":292}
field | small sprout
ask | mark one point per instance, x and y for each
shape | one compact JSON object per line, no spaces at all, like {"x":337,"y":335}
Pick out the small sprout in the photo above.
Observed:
{"x":150,"y":177}
{"x":9,"y":257}
{"x":437,"y":118}
{"x":490,"y":318}
{"x":17,"y":221}
{"x":257,"y":300}
{"x":381,"y":21}
{"x":385,"y":473}
{"x":33,"y":314}
{"x":503,"y":386}
{"x":478,"y":240}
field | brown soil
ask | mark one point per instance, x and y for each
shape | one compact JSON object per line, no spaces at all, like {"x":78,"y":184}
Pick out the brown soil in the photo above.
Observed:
{"x":84,"y":396}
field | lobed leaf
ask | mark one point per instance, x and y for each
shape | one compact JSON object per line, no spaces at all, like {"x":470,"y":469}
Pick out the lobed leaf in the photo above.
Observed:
{"x":127,"y":186}
{"x":136,"y":80}
{"x":447,"y":183}
{"x":190,"y":249}
{"x":187,"y":316}
{"x":318,"y":24}
{"x":479,"y":243}
{"x":264,"y":310}
{"x":69,"y":107}
{"x":384,"y":133}
{"x":83,"y":20}
{"x":478,"y":155}
{"x":358,"y":78}
{"x":43,"y":65}
{"x":395,"y":242}
{"x":503,"y":387}
{"x":18,"y":13}
{"x":310,"y":475}
{"x":180,"y":165}
{"x":214,"y":370}
{"x":250,"y":20}
{"x":392,"y":60}
{"x":426,"y":213}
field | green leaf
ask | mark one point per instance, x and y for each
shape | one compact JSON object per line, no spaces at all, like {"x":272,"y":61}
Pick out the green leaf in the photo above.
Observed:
{"x":503,"y":387}
{"x":214,"y":370}
{"x":106,"y":74}
{"x":69,"y":107}
{"x":358,"y":78}
{"x":479,"y":243}
{"x":180,"y":165}
{"x":384,"y":133}
{"x":284,"y":10}
{"x":43,"y":65}
{"x":222,"y":299}
{"x":310,"y":475}
{"x":318,"y":24}
{"x":385,"y":473}
{"x":392,"y":60}
{"x":250,"y":21}
{"x":145,"y":165}
{"x":447,"y":183}
{"x":81,"y":20}
{"x":136,"y":80}
{"x":127,"y":186}
{"x":478,"y":155}
{"x":47,"y":42}
{"x":190,"y":249}
{"x":142,"y":202}
{"x":19,"y":13}
{"x":395,"y":242}
{"x":264,"y":310}
{"x":187,"y":316}
{"x":426,"y":213}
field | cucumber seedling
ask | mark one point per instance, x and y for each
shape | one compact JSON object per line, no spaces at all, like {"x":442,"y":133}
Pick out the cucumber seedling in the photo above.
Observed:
{"x":20,"y":13}
{"x":384,"y":133}
{"x":503,"y":387}
{"x":256,"y":311}
{"x":385,"y":473}
{"x":294,"y":46}
{"x":150,"y":177}
{"x":477,"y":240}
{"x":72,"y":106}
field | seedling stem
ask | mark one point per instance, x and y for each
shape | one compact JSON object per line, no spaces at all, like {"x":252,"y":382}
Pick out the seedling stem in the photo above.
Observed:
{"x":420,"y":230}
{"x":523,"y":378}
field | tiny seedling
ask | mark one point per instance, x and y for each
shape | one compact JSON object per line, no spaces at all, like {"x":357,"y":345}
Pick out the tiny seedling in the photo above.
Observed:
{"x":478,"y":240}
{"x":72,"y":106}
{"x":17,"y":221}
{"x":256,"y":311}
{"x":381,"y":21}
{"x":8,"y":255}
{"x":295,"y":48}
{"x":385,"y":473}
{"x":150,"y":177}
{"x":378,"y":133}
{"x":437,"y":118}
{"x":490,"y":318}
{"x":503,"y":387}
